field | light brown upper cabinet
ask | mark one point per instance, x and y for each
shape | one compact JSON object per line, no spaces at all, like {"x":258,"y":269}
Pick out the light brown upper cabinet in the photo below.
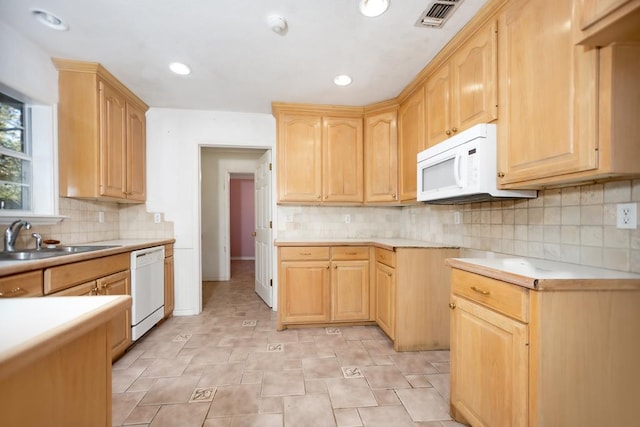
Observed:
{"x":603,"y":22}
{"x":548,"y":101}
{"x":381,"y":156}
{"x":101,"y":135}
{"x":319,"y":155}
{"x":567,"y":112}
{"x":411,"y":134}
{"x":342,"y":159}
{"x":464,"y":90}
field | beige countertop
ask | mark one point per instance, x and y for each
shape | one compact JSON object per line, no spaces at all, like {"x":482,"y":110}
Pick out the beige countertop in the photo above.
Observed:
{"x":547,"y":275}
{"x":34,"y":327}
{"x":126,"y":245}
{"x":390,"y":244}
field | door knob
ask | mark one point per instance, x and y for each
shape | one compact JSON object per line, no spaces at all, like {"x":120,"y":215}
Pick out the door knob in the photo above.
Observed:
{"x":253,"y":234}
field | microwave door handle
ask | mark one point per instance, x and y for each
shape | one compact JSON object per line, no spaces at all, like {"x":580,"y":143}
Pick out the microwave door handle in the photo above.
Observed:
{"x":457,"y":172}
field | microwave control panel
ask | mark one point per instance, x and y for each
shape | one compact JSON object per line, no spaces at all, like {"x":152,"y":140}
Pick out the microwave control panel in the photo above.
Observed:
{"x":472,"y":168}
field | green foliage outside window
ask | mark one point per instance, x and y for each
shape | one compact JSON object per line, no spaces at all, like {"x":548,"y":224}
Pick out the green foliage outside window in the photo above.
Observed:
{"x":15,"y":160}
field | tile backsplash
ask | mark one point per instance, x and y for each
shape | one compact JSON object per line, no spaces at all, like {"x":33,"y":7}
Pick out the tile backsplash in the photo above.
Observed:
{"x":121,"y":221}
{"x":571,"y":224}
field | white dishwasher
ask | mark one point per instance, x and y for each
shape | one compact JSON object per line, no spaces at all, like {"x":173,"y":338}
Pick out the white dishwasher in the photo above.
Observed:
{"x":147,"y":289}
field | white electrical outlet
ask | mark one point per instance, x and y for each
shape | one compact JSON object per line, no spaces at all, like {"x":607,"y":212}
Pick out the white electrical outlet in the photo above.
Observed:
{"x":157,"y":218}
{"x":347,"y":219}
{"x":100,"y":216}
{"x":627,"y":215}
{"x":456,"y":217}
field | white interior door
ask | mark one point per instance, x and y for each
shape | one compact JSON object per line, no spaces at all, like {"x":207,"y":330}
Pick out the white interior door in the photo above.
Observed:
{"x":263,"y":229}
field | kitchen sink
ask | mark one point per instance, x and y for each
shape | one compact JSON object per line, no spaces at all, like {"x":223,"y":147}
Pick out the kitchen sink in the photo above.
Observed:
{"x":33,"y":254}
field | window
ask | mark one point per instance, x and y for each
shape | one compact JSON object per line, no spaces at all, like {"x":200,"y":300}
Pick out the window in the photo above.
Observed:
{"x":15,"y":155}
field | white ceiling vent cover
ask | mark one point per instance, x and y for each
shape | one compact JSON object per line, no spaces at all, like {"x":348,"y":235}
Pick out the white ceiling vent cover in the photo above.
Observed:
{"x":437,"y":13}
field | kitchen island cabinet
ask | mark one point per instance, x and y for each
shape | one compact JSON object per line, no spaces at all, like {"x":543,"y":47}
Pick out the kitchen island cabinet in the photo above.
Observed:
{"x":102,"y":135}
{"x":62,"y":354}
{"x":555,"y":341}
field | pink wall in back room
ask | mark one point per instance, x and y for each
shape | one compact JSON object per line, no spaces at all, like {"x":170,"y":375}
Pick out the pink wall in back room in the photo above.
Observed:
{"x":242,"y":211}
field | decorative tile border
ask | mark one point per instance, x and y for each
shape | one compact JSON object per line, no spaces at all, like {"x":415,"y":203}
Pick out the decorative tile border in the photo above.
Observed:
{"x":333,"y":331}
{"x":181,"y":338}
{"x":275,"y":348}
{"x":202,"y":395}
{"x":351,"y":372}
{"x":249,"y":322}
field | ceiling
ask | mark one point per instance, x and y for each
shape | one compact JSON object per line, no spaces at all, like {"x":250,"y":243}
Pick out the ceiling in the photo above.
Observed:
{"x":238,"y":63}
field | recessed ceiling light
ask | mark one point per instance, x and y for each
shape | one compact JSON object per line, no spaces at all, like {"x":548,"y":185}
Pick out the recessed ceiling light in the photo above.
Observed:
{"x":342,"y":80}
{"x":373,"y":8}
{"x":179,"y":68}
{"x":49,"y":19}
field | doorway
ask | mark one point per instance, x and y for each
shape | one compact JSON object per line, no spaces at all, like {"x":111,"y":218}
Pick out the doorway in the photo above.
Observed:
{"x":221,"y":171}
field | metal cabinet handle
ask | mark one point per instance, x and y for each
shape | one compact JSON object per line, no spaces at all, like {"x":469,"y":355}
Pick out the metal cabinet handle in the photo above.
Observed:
{"x":447,"y":132}
{"x":335,"y":267}
{"x":305,"y":253}
{"x":15,"y":292}
{"x":480,"y":291}
{"x":500,"y":174}
{"x":454,"y":130}
{"x":452,"y":305}
{"x":94,"y":291}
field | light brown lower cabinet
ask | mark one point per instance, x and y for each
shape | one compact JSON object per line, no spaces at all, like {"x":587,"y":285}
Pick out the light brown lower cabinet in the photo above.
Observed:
{"x":522,"y":357}
{"x":21,"y":285}
{"x":412,"y":290}
{"x":99,"y":276}
{"x":169,"y":291}
{"x":322,"y":284}
{"x":405,"y":291}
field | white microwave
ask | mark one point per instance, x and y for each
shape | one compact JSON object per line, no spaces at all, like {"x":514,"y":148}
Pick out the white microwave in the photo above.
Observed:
{"x":463,"y":169}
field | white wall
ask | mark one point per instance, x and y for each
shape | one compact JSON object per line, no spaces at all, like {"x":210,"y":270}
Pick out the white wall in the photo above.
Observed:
{"x":174,"y":139}
{"x":26,"y":69}
{"x":215,"y":168}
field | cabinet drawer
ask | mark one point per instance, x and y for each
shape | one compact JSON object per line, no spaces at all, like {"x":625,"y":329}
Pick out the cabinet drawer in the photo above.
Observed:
{"x":386,"y":257}
{"x":349,"y":253}
{"x":508,"y":299}
{"x":21,"y":285}
{"x":304,"y":253}
{"x":68,"y":275}
{"x":85,"y":289}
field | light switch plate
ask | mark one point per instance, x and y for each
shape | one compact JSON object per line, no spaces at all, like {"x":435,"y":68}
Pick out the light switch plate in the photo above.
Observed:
{"x":157,"y":218}
{"x":627,"y":215}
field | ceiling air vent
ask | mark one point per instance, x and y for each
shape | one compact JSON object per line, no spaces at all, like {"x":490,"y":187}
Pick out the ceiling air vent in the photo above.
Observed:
{"x":437,"y":13}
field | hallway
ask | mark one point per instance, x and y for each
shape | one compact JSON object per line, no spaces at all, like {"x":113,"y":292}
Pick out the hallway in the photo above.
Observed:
{"x":229,"y":367}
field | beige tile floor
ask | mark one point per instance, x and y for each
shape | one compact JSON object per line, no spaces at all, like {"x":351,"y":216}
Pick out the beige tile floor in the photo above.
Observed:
{"x":230,"y":367}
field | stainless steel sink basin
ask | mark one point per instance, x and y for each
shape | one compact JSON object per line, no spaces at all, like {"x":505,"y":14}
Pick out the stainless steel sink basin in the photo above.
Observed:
{"x":33,"y":254}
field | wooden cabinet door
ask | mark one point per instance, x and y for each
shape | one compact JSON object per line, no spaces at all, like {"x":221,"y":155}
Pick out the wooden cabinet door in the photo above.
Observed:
{"x":386,"y":299}
{"x":113,"y":135}
{"x":438,"y":106}
{"x":306,"y":289}
{"x":299,"y":154}
{"x":593,"y":11}
{"x":350,"y":290}
{"x":169,"y":291}
{"x":381,"y":157}
{"x":343,"y":160}
{"x":548,"y":100}
{"x":474,"y":80}
{"x":120,"y":327}
{"x":136,"y":154}
{"x":411,"y":131}
{"x":489,"y":366}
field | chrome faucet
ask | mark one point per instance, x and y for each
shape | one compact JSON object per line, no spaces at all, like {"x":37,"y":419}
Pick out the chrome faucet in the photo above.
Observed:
{"x":11,"y":234}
